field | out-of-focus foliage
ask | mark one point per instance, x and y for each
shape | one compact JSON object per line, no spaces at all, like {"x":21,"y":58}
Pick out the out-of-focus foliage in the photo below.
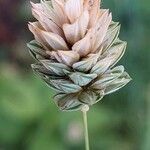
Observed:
{"x":29,"y":119}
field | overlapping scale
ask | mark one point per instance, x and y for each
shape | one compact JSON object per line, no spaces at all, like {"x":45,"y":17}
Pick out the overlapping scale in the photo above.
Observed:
{"x":76,"y":47}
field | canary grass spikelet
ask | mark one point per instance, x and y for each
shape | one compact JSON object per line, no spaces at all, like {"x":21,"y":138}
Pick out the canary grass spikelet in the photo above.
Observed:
{"x":76,"y":48}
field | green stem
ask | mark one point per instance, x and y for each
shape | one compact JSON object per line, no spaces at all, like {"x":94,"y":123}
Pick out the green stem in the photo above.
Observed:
{"x":84,"y":111}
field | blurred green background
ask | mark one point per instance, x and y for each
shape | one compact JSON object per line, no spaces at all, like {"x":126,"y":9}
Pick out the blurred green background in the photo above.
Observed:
{"x":29,"y":119}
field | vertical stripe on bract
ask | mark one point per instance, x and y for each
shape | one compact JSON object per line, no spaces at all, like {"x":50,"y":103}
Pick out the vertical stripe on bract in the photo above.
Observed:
{"x":68,"y":57}
{"x":64,"y":57}
{"x":93,"y":7}
{"x":102,"y":65}
{"x":54,"y":67}
{"x":118,"y":83}
{"x":67,"y":102}
{"x":83,"y":47}
{"x":59,"y":10}
{"x":35,"y":29}
{"x":108,"y":77}
{"x":100,"y":30}
{"x":54,"y":40}
{"x":48,"y":11}
{"x":47,"y":18}
{"x":111,"y":36}
{"x":74,"y":32}
{"x":117,"y":50}
{"x":50,"y":26}
{"x":73,"y":9}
